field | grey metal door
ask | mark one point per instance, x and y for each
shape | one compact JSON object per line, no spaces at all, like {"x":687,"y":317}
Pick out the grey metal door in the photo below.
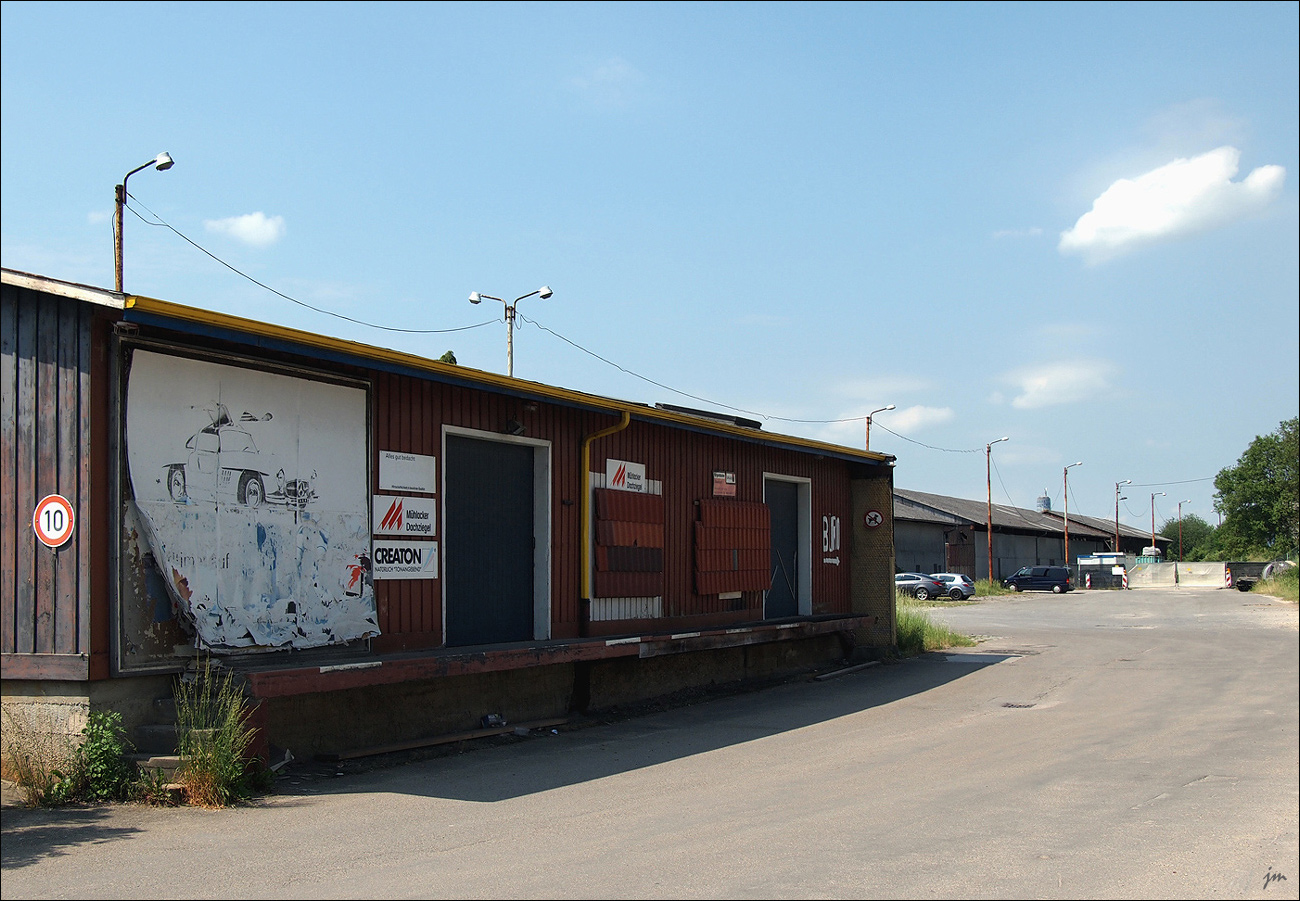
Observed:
{"x":489,"y":541}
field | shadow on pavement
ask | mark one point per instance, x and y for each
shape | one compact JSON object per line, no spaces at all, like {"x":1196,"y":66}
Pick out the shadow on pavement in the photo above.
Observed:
{"x":488,"y":770}
{"x":32,"y":834}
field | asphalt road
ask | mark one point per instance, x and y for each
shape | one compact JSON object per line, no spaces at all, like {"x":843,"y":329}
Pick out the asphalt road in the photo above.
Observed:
{"x":1100,"y":745}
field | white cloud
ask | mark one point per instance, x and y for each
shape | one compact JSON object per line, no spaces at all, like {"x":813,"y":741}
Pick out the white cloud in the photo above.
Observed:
{"x":1062,"y":382}
{"x":916,"y":418}
{"x":877,"y":391}
{"x":257,"y":229}
{"x":609,"y":83}
{"x":852,"y":432}
{"x":1178,"y":198}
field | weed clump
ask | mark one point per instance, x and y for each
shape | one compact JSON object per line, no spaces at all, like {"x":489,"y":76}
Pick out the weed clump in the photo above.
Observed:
{"x":212,"y":722}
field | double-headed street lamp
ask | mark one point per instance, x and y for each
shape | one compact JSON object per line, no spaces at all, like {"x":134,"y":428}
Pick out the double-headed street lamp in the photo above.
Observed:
{"x":869,"y":415}
{"x":1066,"y":479}
{"x":988,"y":478}
{"x":1154,"y":495}
{"x":1117,"y":500}
{"x":475,"y":297}
{"x":162,"y":162}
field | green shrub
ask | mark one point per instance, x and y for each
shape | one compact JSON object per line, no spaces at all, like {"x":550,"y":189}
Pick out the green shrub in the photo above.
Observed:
{"x":212,"y":720}
{"x":53,"y":772}
{"x":104,"y":772}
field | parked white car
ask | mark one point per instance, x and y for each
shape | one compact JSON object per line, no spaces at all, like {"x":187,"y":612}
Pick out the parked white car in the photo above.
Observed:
{"x":957,"y":586}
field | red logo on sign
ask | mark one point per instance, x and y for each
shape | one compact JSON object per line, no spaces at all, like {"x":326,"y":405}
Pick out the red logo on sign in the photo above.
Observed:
{"x":620,"y":475}
{"x":393,"y":518}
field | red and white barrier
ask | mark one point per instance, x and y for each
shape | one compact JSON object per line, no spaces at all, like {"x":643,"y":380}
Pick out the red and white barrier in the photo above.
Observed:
{"x":1087,"y":580}
{"x":1124,"y":579}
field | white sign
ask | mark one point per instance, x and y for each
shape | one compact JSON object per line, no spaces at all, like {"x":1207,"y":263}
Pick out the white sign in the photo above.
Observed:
{"x":872,"y":519}
{"x":53,"y":520}
{"x":405,"y":560}
{"x":625,"y":476}
{"x":407,"y":472}
{"x":414,"y":517}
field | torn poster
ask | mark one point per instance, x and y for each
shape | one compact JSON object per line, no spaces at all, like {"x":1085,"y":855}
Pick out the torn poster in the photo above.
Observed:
{"x":253,"y":491}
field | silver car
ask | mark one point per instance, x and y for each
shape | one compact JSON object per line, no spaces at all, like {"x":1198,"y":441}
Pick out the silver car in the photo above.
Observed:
{"x":957,"y":586}
{"x":918,"y":585}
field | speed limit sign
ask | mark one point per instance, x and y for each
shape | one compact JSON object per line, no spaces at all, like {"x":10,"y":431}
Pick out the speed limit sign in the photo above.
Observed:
{"x":53,"y":520}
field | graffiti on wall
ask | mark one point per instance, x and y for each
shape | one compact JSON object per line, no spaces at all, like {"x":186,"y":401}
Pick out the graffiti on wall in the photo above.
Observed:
{"x":252,"y":492}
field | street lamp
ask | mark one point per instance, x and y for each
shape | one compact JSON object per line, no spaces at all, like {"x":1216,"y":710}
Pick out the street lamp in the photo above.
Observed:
{"x":162,"y":162}
{"x":1066,"y":479}
{"x":869,"y":415}
{"x":475,"y":297}
{"x":1117,"y":500}
{"x":1154,"y":495}
{"x":1180,"y":529}
{"x":988,"y":457}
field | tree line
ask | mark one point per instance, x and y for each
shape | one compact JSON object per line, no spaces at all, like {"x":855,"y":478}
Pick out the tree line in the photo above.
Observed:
{"x":1258,"y":500}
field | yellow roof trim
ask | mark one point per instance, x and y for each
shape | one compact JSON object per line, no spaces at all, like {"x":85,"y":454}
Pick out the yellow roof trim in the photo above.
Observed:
{"x":225,"y":321}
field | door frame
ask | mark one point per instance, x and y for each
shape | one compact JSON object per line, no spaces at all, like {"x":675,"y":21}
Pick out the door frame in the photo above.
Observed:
{"x":541,"y":522}
{"x":804,"y":536}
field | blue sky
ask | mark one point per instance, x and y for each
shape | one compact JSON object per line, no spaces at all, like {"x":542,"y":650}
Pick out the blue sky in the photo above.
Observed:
{"x":1073,"y":225}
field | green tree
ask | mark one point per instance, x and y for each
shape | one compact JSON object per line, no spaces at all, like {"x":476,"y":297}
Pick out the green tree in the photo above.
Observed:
{"x":1197,"y":539}
{"x":1259,"y":497}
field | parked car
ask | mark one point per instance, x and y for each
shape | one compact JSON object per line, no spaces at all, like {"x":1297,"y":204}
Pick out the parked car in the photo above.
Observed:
{"x":1055,"y":579}
{"x":959,"y":586}
{"x":919,"y":585}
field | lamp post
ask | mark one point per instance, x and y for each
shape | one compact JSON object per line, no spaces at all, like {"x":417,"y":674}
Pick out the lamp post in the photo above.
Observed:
{"x":1066,"y":479}
{"x":475,"y":297}
{"x":1117,"y":500}
{"x":1180,"y":529}
{"x":162,"y":162}
{"x":988,"y":480}
{"x":869,"y":415}
{"x":1154,"y":495}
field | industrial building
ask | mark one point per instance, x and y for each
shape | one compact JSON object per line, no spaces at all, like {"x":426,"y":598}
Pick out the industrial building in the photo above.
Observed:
{"x":387,"y":548}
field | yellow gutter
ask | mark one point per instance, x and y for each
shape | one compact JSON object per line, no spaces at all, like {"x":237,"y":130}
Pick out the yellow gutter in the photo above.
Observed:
{"x":213,"y":319}
{"x":584,"y":486}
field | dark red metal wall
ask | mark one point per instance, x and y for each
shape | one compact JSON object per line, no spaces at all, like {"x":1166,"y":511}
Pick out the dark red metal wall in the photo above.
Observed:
{"x":409,"y":414}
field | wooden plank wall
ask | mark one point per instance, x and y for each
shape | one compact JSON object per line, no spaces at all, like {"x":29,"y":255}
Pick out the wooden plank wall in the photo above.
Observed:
{"x":45,"y":352}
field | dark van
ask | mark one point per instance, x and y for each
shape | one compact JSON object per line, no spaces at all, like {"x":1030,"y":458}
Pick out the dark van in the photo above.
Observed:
{"x":1040,"y":578}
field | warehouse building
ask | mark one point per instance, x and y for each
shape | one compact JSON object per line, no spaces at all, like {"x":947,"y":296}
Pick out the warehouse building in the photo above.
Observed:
{"x":387,"y":548}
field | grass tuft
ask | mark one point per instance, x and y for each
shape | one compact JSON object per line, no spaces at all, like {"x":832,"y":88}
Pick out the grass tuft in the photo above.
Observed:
{"x":918,"y":633}
{"x":212,"y":720}
{"x":1284,"y":585}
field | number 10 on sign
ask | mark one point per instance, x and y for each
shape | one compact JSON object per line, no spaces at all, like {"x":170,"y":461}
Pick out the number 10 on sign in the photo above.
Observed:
{"x":53,"y":520}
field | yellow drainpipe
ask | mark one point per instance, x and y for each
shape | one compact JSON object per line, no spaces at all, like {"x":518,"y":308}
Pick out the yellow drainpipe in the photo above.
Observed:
{"x":584,"y":486}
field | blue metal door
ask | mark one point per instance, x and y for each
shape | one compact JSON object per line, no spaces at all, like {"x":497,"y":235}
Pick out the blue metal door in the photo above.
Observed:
{"x":783,"y":502}
{"x":488,"y":510}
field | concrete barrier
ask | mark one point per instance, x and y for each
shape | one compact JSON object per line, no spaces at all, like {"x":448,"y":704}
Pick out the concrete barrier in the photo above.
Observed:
{"x":1167,"y":575}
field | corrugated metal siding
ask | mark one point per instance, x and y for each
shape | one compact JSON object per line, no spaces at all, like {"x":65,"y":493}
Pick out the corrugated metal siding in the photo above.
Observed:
{"x":45,"y":362}
{"x":409,"y":414}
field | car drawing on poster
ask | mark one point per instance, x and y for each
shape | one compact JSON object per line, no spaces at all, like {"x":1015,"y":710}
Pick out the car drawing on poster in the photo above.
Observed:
{"x":223,"y":464}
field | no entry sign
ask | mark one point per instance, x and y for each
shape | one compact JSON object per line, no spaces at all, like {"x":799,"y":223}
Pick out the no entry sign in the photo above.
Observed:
{"x":53,"y":520}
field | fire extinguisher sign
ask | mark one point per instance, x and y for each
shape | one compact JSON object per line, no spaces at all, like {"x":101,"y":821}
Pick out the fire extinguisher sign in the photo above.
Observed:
{"x":53,"y":520}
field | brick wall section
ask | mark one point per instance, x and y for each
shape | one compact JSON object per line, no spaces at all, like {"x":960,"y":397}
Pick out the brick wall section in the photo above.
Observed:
{"x":872,"y":560}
